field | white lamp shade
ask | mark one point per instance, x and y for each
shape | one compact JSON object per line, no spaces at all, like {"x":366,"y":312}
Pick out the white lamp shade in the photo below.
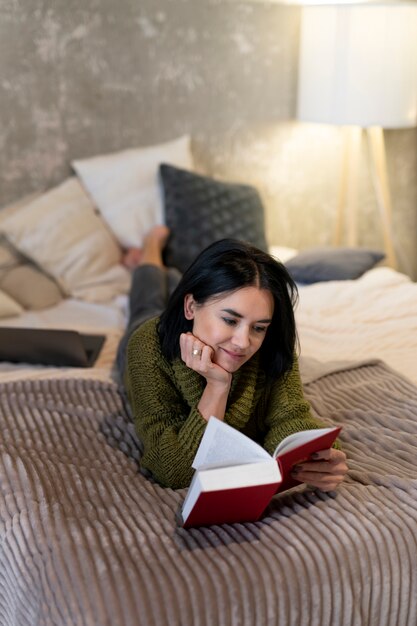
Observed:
{"x":358,"y":65}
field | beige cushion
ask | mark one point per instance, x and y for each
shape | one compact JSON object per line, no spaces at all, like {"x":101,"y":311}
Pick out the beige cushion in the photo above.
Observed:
{"x":25,"y":282}
{"x":125,"y":186}
{"x":9,"y":257}
{"x":31,"y":288}
{"x":62,"y":233}
{"x":8,"y":306}
{"x":14,"y":206}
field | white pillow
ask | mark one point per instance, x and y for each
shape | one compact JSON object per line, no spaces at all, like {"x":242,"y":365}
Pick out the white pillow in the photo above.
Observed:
{"x":125,"y":186}
{"x":62,"y":233}
{"x":8,"y":306}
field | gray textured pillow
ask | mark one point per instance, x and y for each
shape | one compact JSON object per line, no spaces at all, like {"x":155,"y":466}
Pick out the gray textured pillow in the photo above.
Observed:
{"x":322,"y":264}
{"x":200,"y":210}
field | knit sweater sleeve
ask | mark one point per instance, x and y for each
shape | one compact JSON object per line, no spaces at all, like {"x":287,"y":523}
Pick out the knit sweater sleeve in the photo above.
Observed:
{"x":168,"y":427}
{"x":287,"y":410}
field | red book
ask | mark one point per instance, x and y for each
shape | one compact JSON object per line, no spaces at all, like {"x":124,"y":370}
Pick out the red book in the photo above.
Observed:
{"x":236,"y":478}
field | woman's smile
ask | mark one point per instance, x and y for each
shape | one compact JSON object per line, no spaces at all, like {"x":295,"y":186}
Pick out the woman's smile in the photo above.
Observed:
{"x":233,"y":354}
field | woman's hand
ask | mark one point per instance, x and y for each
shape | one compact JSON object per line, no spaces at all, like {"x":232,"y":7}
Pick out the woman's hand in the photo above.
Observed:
{"x":198,"y":357}
{"x":325,"y":472}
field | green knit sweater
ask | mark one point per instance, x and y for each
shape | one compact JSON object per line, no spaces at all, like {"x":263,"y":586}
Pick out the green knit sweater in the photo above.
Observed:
{"x":164,"y":396}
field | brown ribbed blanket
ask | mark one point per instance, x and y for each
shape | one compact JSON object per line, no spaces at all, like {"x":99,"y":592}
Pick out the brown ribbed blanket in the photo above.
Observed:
{"x":86,"y":539}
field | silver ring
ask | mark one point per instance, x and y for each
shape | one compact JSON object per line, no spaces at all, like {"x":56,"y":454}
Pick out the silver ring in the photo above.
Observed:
{"x":196,"y":352}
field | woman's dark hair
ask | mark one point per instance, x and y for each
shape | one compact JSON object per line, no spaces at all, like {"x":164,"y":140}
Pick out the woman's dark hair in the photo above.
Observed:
{"x":225,"y":266}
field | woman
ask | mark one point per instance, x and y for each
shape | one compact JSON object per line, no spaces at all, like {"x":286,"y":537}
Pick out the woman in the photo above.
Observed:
{"x":222,"y":344}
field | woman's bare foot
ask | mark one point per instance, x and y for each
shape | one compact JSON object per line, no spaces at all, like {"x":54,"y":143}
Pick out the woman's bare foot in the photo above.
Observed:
{"x":131,"y":258}
{"x":151,"y":253}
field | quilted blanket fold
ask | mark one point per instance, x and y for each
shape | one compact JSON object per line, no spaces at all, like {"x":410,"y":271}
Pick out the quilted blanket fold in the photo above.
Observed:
{"x":86,"y":539}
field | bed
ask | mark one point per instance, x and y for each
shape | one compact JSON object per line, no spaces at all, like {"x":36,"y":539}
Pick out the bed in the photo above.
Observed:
{"x":87,"y":538}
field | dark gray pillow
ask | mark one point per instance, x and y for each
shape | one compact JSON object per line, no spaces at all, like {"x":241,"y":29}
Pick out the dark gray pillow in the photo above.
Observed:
{"x":321,"y":264}
{"x":200,"y":210}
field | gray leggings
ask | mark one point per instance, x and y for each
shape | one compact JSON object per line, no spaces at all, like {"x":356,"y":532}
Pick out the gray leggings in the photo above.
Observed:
{"x":149,"y":293}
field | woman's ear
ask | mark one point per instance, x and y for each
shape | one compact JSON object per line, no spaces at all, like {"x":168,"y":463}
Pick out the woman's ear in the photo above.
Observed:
{"x":189,"y":306}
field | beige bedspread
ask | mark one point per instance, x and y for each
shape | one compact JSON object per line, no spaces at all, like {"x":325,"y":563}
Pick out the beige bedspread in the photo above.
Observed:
{"x":86,"y":539}
{"x":374,"y":316}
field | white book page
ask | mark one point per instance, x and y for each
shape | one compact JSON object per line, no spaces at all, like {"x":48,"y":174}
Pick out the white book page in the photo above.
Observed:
{"x":248,"y":475}
{"x":297,"y":439}
{"x":223,"y":446}
{"x":193,"y":492}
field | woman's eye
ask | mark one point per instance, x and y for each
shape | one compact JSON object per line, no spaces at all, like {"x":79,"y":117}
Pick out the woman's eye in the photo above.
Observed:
{"x":260,"y":329}
{"x":229,"y":321}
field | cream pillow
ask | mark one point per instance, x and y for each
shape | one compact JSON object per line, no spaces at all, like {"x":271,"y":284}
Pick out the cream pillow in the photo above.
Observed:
{"x":14,"y":206}
{"x":62,"y":233}
{"x":24,"y":282}
{"x":30,"y":287}
{"x":8,"y":306}
{"x":125,"y":186}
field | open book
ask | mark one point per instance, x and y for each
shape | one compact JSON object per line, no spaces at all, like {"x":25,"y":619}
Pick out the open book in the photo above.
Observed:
{"x":235,"y":477}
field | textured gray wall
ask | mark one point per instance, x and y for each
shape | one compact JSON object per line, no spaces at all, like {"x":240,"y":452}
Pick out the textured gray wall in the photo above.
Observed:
{"x":86,"y":77}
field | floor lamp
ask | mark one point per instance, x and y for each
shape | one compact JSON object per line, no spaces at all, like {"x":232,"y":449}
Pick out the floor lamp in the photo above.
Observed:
{"x":358,"y":69}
